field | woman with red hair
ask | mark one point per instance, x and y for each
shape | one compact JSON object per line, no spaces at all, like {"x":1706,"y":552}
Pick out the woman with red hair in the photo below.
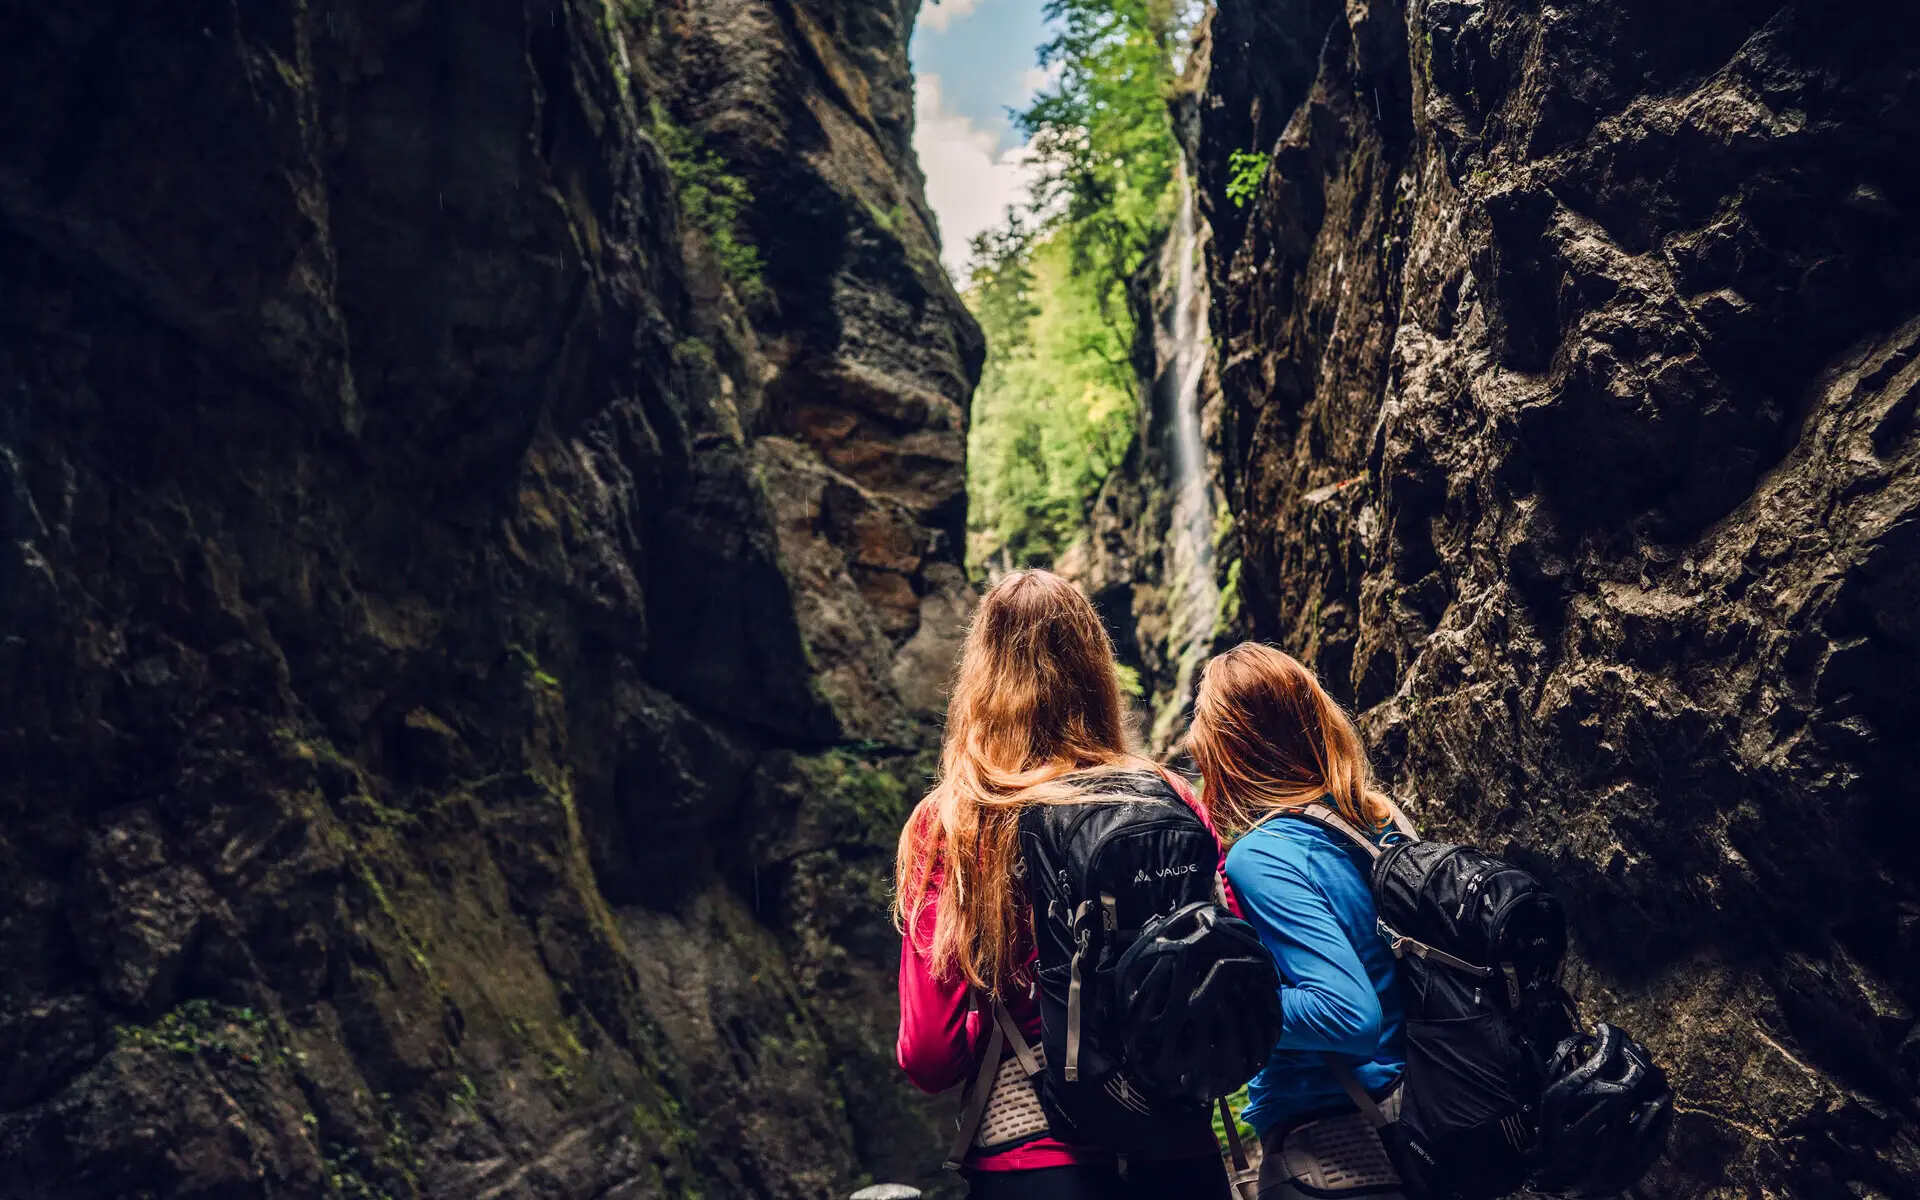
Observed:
{"x":1271,"y":745}
{"x":1035,"y":717}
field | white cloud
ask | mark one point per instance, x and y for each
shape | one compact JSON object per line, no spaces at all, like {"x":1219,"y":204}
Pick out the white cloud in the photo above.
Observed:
{"x":1036,"y":78}
{"x":941,"y":13}
{"x":970,"y":181}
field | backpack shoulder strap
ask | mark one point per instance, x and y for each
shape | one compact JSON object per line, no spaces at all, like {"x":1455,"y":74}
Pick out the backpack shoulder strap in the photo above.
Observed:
{"x":1321,"y":812}
{"x":1325,"y":815}
{"x":1029,"y":1062}
{"x":979,"y":1091}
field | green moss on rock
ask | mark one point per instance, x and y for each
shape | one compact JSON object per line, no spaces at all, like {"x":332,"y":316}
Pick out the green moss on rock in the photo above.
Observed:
{"x":204,"y":1028}
{"x":715,"y":201}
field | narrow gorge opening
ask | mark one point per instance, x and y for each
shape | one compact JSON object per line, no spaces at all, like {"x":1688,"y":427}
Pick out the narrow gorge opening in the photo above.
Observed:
{"x":1088,"y":447}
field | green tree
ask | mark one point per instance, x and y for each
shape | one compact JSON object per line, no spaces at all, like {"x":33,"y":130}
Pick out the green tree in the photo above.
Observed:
{"x":1102,"y":136}
{"x":1055,"y":410}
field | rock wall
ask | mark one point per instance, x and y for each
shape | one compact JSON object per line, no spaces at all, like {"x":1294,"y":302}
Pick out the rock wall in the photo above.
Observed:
{"x":1571,"y":359}
{"x":467,"y":644}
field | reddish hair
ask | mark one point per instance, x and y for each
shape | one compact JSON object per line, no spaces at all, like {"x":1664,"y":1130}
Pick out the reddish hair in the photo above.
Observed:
{"x":1035,"y":698}
{"x":1266,"y":736}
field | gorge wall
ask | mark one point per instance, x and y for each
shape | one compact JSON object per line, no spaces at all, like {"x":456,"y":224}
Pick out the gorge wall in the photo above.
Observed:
{"x":482,"y":498}
{"x":1570,"y":370}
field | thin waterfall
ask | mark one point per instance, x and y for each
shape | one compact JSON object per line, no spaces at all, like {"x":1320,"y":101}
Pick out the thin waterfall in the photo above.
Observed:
{"x":1182,"y":343}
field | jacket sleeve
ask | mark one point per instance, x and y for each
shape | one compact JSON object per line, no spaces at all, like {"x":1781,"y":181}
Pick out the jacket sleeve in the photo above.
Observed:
{"x":1327,"y":999}
{"x":935,"y":1047}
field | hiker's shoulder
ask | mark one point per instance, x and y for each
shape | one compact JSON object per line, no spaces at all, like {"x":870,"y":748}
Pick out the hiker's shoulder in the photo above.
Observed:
{"x":1282,"y":843}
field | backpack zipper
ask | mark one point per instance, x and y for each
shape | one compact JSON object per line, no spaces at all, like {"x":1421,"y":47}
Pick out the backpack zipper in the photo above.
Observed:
{"x":1466,"y":895}
{"x":1498,"y":932}
{"x":1496,"y":926}
{"x":1479,"y":883}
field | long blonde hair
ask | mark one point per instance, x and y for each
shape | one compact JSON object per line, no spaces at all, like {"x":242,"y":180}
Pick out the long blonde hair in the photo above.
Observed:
{"x":1266,"y":736}
{"x":1035,"y":698}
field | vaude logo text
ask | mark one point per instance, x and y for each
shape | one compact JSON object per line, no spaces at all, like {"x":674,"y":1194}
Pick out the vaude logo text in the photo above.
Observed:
{"x":1142,"y":876}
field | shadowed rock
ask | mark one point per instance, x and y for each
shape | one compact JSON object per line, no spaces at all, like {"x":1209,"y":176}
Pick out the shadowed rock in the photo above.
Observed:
{"x":1569,"y":369}
{"x":467,"y":648}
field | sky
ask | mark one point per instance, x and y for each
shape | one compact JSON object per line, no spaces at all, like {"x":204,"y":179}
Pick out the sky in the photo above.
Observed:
{"x":974,"y":59}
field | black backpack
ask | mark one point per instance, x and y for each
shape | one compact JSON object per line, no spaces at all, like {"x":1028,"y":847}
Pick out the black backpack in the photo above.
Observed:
{"x":1480,"y":944}
{"x":1154,"y":999}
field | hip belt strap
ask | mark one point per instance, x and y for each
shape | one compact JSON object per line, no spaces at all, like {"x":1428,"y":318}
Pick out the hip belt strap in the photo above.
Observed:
{"x":1350,"y":1083}
{"x":1246,"y":1180}
{"x":980,"y":1091}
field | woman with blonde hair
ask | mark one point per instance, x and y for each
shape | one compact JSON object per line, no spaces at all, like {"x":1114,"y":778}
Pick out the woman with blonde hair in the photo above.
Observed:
{"x":1035,"y":718}
{"x":1270,"y":743}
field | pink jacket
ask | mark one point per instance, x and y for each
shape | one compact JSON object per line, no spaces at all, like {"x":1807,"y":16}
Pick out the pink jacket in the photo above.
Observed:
{"x":941,"y":1038}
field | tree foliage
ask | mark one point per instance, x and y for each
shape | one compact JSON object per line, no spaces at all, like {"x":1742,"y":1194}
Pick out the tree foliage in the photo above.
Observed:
{"x":1101,"y":134}
{"x":1247,"y":169}
{"x":1055,"y":409}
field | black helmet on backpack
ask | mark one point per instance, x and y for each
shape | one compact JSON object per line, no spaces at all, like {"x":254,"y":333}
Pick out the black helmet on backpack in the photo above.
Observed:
{"x":1202,"y":1001}
{"x":1604,"y":1116}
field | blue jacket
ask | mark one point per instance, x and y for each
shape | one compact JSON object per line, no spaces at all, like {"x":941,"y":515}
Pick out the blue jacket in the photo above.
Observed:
{"x":1305,"y":893}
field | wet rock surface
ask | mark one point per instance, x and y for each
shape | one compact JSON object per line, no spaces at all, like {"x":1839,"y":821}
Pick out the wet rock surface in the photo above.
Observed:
{"x":466,"y":655}
{"x":1570,"y":361}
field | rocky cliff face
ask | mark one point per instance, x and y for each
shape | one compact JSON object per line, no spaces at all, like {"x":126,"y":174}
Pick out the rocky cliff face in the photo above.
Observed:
{"x":481,"y":486}
{"x":1570,"y":365}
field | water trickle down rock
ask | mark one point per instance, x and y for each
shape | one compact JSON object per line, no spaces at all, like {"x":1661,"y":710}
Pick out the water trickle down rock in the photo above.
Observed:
{"x":1149,"y":557}
{"x":1185,"y":348}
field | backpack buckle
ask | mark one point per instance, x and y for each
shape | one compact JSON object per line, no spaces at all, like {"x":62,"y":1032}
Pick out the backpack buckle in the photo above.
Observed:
{"x":1395,"y":941}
